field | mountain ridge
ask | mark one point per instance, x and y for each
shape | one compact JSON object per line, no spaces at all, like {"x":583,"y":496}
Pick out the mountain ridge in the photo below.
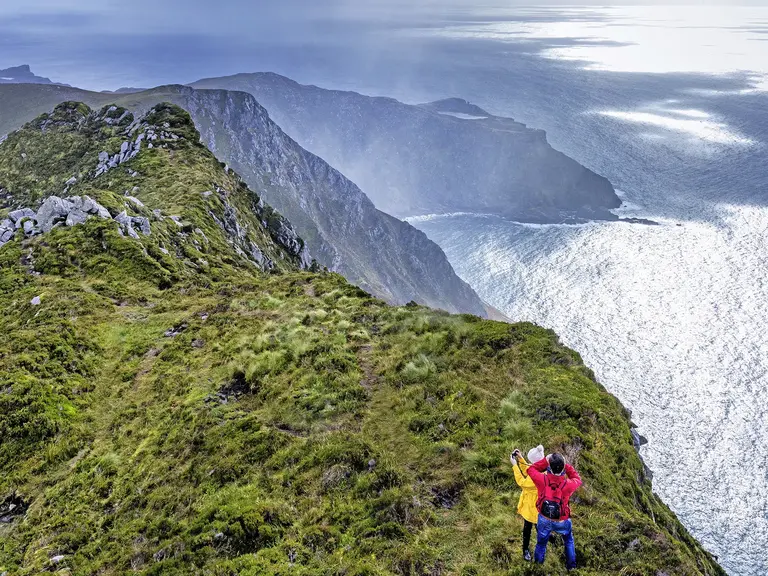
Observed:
{"x":484,"y":164}
{"x":384,"y":255}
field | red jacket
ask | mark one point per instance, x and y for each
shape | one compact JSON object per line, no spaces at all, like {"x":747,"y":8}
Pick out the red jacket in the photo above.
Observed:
{"x":537,"y":472}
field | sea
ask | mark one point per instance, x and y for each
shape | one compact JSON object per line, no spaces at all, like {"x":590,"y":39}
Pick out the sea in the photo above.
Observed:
{"x":669,"y":103}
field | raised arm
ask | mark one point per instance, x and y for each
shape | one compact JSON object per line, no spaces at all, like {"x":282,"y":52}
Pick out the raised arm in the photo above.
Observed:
{"x":536,"y":472}
{"x":541,"y":465}
{"x":521,"y":474}
{"x":574,"y":480}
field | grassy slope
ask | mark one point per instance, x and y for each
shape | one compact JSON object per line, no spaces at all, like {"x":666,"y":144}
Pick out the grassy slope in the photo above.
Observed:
{"x":356,"y":438}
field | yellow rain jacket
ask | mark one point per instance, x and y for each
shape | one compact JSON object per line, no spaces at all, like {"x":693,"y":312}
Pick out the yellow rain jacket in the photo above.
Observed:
{"x":526,"y":507}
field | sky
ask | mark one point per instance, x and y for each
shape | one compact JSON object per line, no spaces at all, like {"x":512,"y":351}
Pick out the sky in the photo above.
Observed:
{"x":107,"y":44}
{"x":268,"y":19}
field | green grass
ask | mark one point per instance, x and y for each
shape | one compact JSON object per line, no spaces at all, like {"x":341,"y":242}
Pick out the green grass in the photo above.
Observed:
{"x":295,"y":425}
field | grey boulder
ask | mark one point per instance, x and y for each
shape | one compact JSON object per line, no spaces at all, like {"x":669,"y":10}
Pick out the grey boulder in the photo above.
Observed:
{"x":143,"y":225}
{"x":18,"y":215}
{"x":90,"y":206}
{"x":7,"y":230}
{"x":126,"y":224}
{"x":76,"y":216}
{"x":53,"y":210}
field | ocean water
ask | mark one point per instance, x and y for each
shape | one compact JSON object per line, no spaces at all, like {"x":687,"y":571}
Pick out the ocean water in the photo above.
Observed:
{"x":670,"y":103}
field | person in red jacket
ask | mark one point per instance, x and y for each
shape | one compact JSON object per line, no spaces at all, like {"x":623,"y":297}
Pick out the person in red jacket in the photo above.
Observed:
{"x":555,"y":481}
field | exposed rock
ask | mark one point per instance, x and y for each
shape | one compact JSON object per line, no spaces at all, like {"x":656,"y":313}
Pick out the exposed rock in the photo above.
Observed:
{"x":76,"y":217}
{"x":638,"y":440}
{"x":53,"y":211}
{"x":126,"y":224}
{"x":92,"y":207}
{"x":70,"y":211}
{"x":285,"y":235}
{"x":17,"y":215}
{"x":379,"y":253}
{"x":258,"y":256}
{"x":12,"y":507}
{"x":128,"y":151}
{"x":175,"y":331}
{"x":143,"y":224}
{"x":57,"y":559}
{"x":35,"y":301}
{"x":7,"y":230}
{"x":135,"y":200}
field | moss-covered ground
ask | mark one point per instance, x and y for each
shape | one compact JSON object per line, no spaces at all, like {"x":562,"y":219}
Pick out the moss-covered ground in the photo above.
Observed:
{"x":158,"y":416}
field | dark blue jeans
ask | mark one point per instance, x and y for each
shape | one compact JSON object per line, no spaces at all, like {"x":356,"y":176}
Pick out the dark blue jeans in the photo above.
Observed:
{"x":545,"y":527}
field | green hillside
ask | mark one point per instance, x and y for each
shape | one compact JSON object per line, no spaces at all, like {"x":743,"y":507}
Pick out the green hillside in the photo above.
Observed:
{"x":172,"y":404}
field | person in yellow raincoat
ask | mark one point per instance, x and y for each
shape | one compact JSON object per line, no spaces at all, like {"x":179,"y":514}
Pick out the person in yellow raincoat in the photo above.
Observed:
{"x":526,"y":507}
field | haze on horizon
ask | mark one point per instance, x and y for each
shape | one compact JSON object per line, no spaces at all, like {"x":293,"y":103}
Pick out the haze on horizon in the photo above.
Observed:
{"x":104,"y":45}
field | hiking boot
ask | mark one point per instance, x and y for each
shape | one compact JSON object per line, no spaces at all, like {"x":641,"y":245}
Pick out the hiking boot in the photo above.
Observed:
{"x":527,"y":555}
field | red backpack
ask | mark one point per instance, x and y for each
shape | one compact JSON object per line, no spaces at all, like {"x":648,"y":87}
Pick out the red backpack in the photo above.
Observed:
{"x":550,"y":502}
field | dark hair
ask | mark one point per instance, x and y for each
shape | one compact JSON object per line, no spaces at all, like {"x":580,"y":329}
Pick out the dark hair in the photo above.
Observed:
{"x":556,"y":463}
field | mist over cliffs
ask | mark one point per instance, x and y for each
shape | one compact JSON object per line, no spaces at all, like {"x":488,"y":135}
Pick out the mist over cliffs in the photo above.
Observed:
{"x":442,"y":157}
{"x":343,"y":230}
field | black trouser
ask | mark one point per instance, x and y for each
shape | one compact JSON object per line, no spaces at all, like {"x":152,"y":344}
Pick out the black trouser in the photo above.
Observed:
{"x":527,"y":526}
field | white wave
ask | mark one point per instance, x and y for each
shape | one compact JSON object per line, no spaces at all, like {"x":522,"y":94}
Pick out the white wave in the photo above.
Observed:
{"x":463,"y":116}
{"x":534,"y":225}
{"x":430,"y":217}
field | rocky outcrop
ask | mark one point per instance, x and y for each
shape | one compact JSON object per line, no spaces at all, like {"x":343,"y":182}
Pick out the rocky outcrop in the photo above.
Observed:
{"x":129,"y":225}
{"x":113,"y":138}
{"x":55,"y":212}
{"x":447,"y":156}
